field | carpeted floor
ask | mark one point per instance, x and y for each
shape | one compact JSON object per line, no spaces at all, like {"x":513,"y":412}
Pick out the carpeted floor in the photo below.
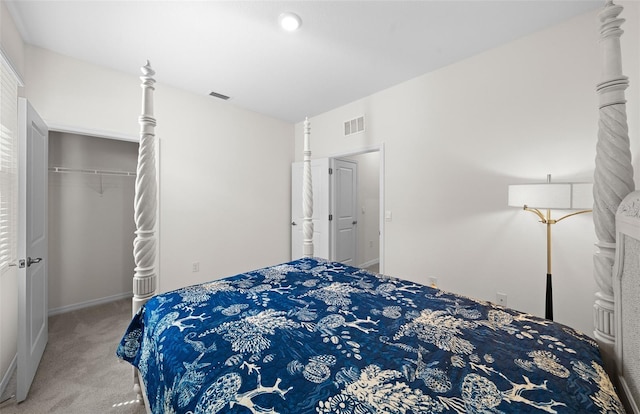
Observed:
{"x":79,"y":372}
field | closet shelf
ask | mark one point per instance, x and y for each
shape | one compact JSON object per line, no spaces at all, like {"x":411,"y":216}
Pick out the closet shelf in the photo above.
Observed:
{"x":90,"y":171}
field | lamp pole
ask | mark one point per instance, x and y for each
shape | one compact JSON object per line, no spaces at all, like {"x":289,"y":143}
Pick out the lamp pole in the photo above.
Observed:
{"x":547,"y":197}
{"x":548,"y":298}
{"x":546,"y":219}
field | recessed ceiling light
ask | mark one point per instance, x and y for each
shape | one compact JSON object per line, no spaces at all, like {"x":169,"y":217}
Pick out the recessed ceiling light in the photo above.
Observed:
{"x":289,"y":21}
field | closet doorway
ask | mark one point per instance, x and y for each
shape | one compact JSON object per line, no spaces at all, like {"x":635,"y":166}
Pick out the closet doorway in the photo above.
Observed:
{"x":91,"y":226}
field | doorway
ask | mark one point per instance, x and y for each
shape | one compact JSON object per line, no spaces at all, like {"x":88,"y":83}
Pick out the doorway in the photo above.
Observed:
{"x":91,"y":226}
{"x":366,"y":215}
{"x":369,"y":207}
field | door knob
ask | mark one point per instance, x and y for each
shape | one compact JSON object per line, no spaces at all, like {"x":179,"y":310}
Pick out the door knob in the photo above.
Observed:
{"x":31,"y":261}
{"x":293,"y":223}
{"x":355,"y":222}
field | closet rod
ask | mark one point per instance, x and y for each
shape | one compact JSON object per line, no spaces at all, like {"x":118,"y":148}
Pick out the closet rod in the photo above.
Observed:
{"x":90,"y":171}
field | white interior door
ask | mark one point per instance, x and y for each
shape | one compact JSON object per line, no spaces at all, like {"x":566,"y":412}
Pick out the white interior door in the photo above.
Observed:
{"x":32,"y":245}
{"x":345,"y":214}
{"x":320,"y":178}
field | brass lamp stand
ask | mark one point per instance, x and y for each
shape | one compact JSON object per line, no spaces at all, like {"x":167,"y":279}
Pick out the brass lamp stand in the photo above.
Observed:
{"x":538,"y":197}
{"x":546,"y":219}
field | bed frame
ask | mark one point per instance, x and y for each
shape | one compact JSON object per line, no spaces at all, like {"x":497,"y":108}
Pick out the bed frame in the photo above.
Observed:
{"x":616,"y":215}
{"x":617,"y":223}
{"x":626,"y":288}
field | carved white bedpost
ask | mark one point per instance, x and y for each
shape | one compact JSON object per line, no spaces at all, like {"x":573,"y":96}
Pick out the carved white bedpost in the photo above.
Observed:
{"x":307,"y":195}
{"x":145,"y":206}
{"x":613,"y":178}
{"x":145,"y":203}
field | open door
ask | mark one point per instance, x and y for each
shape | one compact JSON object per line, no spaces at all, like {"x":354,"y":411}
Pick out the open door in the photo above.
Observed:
{"x":32,"y":245}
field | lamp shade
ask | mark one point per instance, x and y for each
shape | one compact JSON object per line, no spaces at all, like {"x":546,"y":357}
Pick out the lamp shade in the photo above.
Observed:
{"x":560,"y":196}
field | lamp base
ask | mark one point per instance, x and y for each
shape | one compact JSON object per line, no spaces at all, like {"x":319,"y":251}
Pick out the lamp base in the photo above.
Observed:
{"x":548,"y":303}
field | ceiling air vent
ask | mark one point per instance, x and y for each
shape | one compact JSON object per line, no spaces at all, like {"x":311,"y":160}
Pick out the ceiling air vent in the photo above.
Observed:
{"x":354,"y":126}
{"x":218,"y":95}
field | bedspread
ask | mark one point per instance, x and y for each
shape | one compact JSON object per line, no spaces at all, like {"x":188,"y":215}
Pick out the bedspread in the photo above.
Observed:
{"x":313,"y":336}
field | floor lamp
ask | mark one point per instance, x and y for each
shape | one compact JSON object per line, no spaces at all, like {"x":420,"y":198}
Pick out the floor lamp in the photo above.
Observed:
{"x":551,"y":196}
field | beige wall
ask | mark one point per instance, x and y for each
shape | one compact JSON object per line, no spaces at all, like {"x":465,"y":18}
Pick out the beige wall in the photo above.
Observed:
{"x":70,"y":94}
{"x":455,"y":138}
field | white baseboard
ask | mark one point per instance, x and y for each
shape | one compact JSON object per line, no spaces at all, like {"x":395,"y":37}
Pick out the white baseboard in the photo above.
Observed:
{"x":89,"y":303}
{"x":7,"y":375}
{"x":369,"y":263}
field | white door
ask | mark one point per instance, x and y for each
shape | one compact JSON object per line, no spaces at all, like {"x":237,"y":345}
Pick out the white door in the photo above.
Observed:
{"x":32,"y":245}
{"x":344,"y":233}
{"x":320,"y":178}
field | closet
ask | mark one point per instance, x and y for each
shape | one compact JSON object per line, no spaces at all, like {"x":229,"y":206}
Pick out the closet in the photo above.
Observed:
{"x":91,"y":227}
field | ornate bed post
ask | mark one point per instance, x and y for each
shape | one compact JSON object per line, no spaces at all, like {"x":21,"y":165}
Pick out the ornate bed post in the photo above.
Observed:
{"x":613,"y":178}
{"x":145,"y":203}
{"x":307,"y":195}
{"x":145,"y":206}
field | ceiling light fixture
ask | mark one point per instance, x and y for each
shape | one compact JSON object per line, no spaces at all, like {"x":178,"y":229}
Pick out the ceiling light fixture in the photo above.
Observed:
{"x":289,"y":21}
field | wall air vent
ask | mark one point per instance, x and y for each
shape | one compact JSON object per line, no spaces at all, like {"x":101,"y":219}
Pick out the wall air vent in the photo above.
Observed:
{"x":218,"y":95}
{"x":354,"y":126}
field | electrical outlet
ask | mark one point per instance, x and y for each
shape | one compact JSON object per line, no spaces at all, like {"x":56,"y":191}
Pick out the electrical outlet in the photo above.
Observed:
{"x":501,"y":299}
{"x":433,"y":282}
{"x":195,"y":267}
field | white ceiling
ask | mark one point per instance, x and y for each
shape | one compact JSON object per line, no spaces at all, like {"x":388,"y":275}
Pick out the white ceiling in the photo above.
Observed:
{"x":345,"y":50}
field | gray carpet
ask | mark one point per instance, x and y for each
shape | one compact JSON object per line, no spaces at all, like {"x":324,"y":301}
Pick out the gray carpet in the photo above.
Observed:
{"x":79,"y":372}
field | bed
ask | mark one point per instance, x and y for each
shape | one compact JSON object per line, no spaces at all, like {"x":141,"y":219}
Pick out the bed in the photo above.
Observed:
{"x":315,"y":336}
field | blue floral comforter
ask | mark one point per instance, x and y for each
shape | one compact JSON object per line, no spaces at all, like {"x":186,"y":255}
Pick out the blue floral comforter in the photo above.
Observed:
{"x":312,"y":336}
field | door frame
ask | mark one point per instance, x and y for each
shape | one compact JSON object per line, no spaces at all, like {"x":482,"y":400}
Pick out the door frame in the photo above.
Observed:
{"x":380,"y":148}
